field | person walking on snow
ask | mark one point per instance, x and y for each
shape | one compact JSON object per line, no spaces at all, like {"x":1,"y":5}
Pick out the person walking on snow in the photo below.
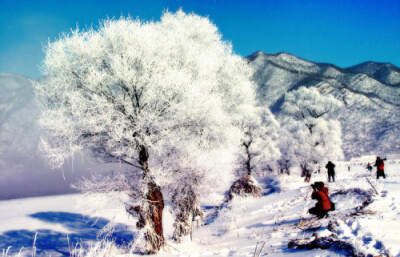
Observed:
{"x":380,"y":167}
{"x":369,"y":167}
{"x":307,"y":174}
{"x":331,"y":171}
{"x":323,"y":205}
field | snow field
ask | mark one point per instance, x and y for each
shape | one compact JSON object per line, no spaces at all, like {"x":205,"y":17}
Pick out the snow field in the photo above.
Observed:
{"x":269,"y":222}
{"x":60,"y":222}
{"x":274,"y":218}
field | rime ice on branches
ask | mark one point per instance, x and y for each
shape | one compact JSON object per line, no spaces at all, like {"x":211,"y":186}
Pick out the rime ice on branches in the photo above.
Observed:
{"x":147,"y":94}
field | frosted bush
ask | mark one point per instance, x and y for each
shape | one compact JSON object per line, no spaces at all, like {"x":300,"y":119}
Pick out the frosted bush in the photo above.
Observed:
{"x":102,"y":248}
{"x":231,"y":217}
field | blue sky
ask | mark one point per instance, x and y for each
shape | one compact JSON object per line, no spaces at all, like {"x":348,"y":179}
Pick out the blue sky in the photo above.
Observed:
{"x":342,"y":32}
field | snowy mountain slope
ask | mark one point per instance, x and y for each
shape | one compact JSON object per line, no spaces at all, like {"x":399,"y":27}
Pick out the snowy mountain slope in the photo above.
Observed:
{"x":383,"y":72}
{"x":370,"y":116}
{"x":364,"y":223}
{"x":23,"y":171}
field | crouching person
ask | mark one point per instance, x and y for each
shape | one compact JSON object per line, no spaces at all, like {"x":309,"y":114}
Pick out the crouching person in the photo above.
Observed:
{"x":323,"y":205}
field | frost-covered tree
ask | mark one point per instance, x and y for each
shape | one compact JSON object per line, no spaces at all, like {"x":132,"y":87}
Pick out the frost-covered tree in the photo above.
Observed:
{"x":287,"y":159}
{"x":196,"y":169}
{"x":134,"y":92}
{"x":309,"y":133}
{"x":259,"y":151}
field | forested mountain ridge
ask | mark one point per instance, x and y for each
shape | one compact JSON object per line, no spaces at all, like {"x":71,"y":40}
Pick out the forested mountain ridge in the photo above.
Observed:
{"x":370,"y":92}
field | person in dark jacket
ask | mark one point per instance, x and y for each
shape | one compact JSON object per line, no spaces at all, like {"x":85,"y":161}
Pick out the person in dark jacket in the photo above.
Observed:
{"x":331,"y":171}
{"x":380,"y":167}
{"x":306,"y":173}
{"x":323,"y":205}
{"x":307,"y":176}
{"x":369,"y":167}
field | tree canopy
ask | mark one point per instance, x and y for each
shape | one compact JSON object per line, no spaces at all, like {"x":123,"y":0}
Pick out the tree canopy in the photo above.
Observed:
{"x":310,"y":135}
{"x":163,"y":97}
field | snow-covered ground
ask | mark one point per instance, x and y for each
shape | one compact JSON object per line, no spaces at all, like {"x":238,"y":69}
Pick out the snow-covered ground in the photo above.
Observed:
{"x":365,"y":222}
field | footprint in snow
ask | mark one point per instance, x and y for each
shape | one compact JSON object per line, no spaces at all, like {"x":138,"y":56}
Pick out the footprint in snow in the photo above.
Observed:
{"x":367,"y":238}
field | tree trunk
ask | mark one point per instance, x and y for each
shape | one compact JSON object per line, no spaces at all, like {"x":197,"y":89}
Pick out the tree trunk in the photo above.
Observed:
{"x":248,"y":161}
{"x":155,"y":197}
{"x":156,"y":202}
{"x":151,"y":209}
{"x":144,"y":159}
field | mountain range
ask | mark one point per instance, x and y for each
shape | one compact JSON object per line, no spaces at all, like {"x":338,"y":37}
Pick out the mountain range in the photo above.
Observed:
{"x":370,"y":93}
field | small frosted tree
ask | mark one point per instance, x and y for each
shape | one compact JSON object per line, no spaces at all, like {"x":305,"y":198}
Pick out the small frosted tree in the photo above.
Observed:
{"x":259,"y":151}
{"x":129,"y":92}
{"x":194,"y":170}
{"x":285,"y":144}
{"x":309,"y":133}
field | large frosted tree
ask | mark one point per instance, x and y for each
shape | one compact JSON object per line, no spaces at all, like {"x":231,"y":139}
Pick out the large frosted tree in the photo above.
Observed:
{"x":135,"y":92}
{"x":310,"y":135}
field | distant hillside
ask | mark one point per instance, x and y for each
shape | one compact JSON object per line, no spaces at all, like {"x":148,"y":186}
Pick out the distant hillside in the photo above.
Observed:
{"x":383,"y":72}
{"x":370,"y":91}
{"x":23,"y":171}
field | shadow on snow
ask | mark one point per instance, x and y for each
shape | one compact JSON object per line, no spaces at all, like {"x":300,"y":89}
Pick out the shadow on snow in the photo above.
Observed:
{"x":54,"y":242}
{"x":292,"y":222}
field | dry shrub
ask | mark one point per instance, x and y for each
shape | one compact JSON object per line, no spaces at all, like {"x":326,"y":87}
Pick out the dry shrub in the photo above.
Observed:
{"x":245,"y":186}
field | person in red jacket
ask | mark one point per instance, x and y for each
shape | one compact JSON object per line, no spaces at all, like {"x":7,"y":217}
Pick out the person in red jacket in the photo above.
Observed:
{"x":323,"y":205}
{"x":380,"y":167}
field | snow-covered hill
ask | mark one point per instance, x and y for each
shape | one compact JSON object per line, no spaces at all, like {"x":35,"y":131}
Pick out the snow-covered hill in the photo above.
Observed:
{"x":383,"y":72}
{"x":23,"y":171}
{"x":370,"y":116}
{"x":366,"y":222}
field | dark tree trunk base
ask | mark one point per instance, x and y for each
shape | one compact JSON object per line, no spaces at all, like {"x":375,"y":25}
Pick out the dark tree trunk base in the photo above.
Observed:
{"x":149,"y":214}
